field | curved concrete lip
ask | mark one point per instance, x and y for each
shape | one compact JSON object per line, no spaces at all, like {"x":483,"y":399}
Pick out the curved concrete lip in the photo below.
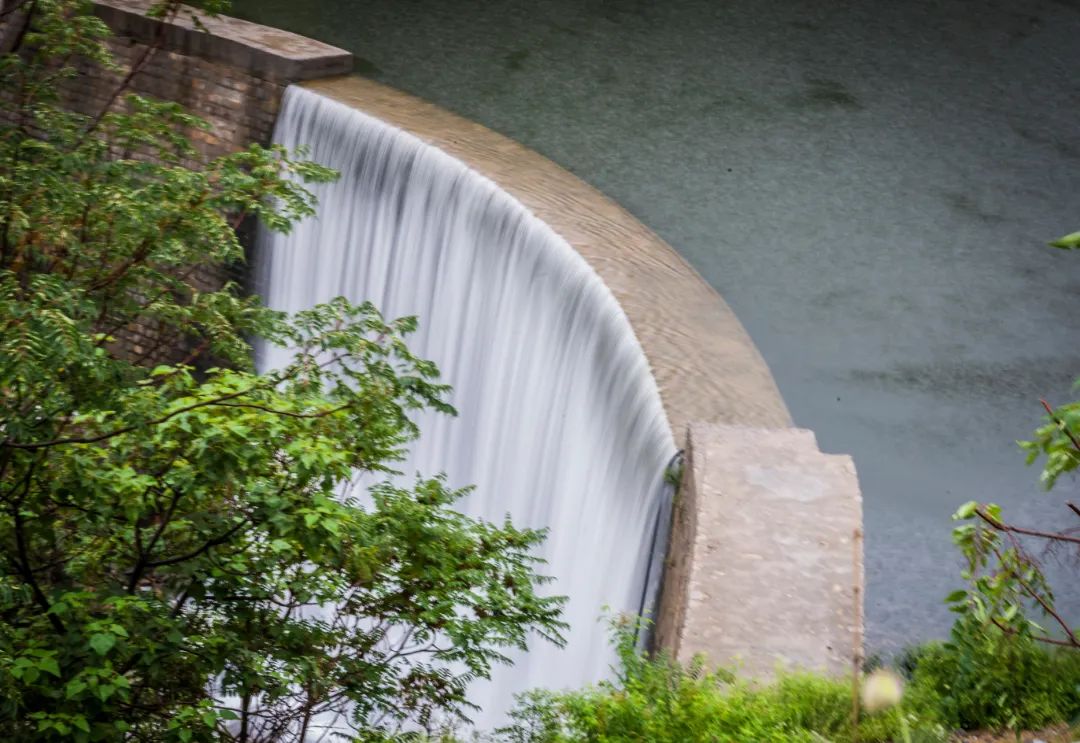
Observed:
{"x":705,"y":364}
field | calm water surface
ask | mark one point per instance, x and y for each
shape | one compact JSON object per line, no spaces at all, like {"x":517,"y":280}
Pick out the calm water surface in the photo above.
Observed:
{"x":870,"y":185}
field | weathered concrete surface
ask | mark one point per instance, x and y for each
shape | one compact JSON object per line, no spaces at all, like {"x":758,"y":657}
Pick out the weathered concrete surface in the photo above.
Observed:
{"x":705,"y":364}
{"x":261,"y":51}
{"x":769,"y":572}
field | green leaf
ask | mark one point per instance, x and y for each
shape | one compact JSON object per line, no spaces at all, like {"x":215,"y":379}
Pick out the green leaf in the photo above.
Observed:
{"x":1068,"y":242}
{"x":102,"y":643}
{"x":966,"y":511}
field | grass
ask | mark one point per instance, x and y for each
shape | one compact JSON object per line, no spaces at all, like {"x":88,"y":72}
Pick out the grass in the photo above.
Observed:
{"x":991,"y":681}
{"x":981,"y":680}
{"x":663,"y":703}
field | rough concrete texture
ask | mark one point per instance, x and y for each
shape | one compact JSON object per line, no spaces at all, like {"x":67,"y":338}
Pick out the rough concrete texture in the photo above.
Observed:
{"x":769,"y":573}
{"x":261,"y":51}
{"x":705,"y":364}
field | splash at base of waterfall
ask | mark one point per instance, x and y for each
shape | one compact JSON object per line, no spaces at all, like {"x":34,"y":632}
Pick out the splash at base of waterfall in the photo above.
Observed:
{"x":560,"y":423}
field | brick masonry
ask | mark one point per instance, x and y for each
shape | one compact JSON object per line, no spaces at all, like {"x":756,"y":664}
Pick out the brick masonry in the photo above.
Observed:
{"x":239,"y":108}
{"x":226,"y":71}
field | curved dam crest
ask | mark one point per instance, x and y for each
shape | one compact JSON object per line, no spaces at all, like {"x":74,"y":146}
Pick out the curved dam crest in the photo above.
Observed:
{"x":560,"y":421}
{"x":704,"y":362}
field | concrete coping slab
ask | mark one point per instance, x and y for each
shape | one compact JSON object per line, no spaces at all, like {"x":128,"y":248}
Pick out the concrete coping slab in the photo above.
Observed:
{"x":766,"y":570}
{"x":262,"y":51}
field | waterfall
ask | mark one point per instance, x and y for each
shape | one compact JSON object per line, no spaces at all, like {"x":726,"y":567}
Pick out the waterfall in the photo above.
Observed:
{"x":560,"y":423}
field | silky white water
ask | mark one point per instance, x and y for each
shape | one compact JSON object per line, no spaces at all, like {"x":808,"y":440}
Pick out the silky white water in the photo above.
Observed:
{"x":559,"y":420}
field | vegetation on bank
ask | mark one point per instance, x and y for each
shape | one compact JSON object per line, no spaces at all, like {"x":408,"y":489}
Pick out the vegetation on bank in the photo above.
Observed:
{"x":976,"y":681}
{"x":172,"y":532}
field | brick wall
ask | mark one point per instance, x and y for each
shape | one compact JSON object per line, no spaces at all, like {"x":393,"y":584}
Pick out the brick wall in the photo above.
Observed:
{"x":239,"y":107}
{"x":229,"y":72}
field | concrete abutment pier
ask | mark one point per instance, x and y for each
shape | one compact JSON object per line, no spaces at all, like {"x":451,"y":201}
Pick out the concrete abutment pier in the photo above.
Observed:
{"x":765,"y":565}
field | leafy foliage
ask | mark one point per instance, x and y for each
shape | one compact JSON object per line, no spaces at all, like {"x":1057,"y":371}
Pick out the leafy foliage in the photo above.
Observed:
{"x":1006,"y":583}
{"x":1008,"y":590}
{"x":983,"y":678}
{"x":979,"y":680}
{"x":184,"y":557}
{"x":1067,"y":242}
{"x":659,"y":700}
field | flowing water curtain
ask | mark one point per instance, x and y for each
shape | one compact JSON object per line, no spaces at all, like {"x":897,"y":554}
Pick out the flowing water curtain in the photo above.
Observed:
{"x":560,"y":422}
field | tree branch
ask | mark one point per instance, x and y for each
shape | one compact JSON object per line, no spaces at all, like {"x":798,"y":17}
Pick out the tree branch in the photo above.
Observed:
{"x":1072,"y":507}
{"x":128,"y":429}
{"x":1047,"y":608}
{"x":23,"y":565}
{"x":210,"y":544}
{"x":171,"y":9}
{"x":218,"y":401}
{"x":1049,"y":640}
{"x":17,"y":25}
{"x":1001,"y":526}
{"x":1061,"y":424}
{"x":142,"y":562}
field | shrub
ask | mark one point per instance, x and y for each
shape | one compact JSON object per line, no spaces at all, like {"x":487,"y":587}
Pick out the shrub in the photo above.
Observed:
{"x":984,"y":678}
{"x":660,"y":701}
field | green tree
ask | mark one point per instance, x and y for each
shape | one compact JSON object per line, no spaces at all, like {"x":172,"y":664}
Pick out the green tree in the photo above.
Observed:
{"x":182,"y":559}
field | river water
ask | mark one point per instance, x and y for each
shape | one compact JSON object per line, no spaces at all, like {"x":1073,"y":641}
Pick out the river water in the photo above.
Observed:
{"x":869,"y":185}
